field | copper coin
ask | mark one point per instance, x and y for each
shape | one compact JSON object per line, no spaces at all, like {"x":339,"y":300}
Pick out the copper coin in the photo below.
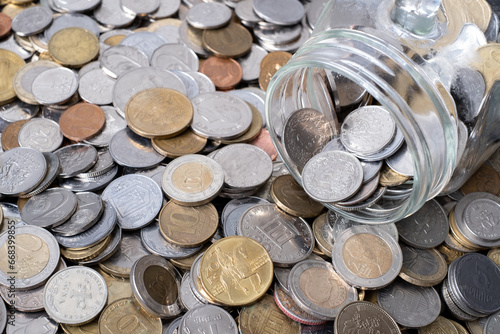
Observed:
{"x":264,"y":142}
{"x":82,"y":121}
{"x":5,"y":24}
{"x":224,"y":73}
{"x":9,"y":135}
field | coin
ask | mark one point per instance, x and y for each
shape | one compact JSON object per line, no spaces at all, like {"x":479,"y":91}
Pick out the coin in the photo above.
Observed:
{"x":82,"y":121}
{"x":76,"y":159}
{"x":214,"y":317}
{"x":292,"y":310}
{"x":24,"y":78}
{"x":73,"y":46}
{"x":282,"y":12}
{"x":440,"y":325}
{"x":30,"y":323}
{"x":188,"y":226}
{"x":452,"y":306}
{"x":90,"y":328}
{"x":232,"y":41}
{"x":42,"y":134}
{"x":252,"y":132}
{"x":155,"y":284}
{"x":158,"y":112}
{"x":24,"y":169}
{"x":355,"y":315}
{"x":120,"y":59}
{"x":86,"y":254}
{"x":96,"y":87}
{"x":208,"y":15}
{"x":485,"y":179}
{"x":47,"y":88}
{"x":323,"y":234}
{"x":225,"y":73}
{"x":185,"y":143}
{"x":88,"y":212}
{"x":11,"y":63}
{"x":460,"y":329}
{"x":270,"y":65}
{"x":422,"y":267}
{"x":10,"y":134}
{"x":175,"y":57}
{"x":187,"y":298}
{"x":5,"y":25}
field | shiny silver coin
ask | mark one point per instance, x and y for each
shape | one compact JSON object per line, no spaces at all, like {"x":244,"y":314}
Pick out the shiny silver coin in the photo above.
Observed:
{"x":24,"y":169}
{"x":154,"y":242}
{"x":214,"y":317}
{"x":426,"y":228}
{"x":96,"y":233}
{"x":185,"y":33}
{"x":234,"y":209}
{"x":88,"y":212}
{"x":112,"y":248}
{"x":111,"y":14}
{"x":86,"y":286}
{"x":137,"y":200}
{"x":32,"y":21}
{"x":251,"y":98}
{"x":131,"y":150}
{"x":31,"y":323}
{"x":140,"y":8}
{"x":175,"y":57}
{"x":103,"y":164}
{"x":160,"y":299}
{"x":120,"y":59}
{"x":173,"y":327}
{"x":187,"y":298}
{"x":278,"y":34}
{"x":364,"y":192}
{"x":367,"y":257}
{"x":194,"y":275}
{"x":154,"y":173}
{"x":190,"y":83}
{"x":209,"y":15}
{"x":96,"y":87}
{"x":50,"y":208}
{"x":493,"y":324}
{"x":332,"y":176}
{"x":71,"y":20}
{"x":18,"y":110}
{"x":166,"y":9}
{"x":77,"y":6}
{"x":370,"y":203}
{"x":389,"y":150}
{"x":250,"y":63}
{"x":410,"y":306}
{"x":114,"y":123}
{"x":288,"y":239}
{"x":401,"y":161}
{"x":76,"y":159}
{"x":204,"y":83}
{"x":47,"y":88}
{"x":315,"y":301}
{"x":144,"y":41}
{"x":31,"y":242}
{"x":281,"y":12}
{"x":89,"y":184}
{"x":182,"y":188}
{"x":44,"y":135}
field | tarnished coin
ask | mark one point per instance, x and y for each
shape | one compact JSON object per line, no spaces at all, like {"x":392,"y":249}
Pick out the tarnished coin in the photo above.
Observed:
{"x":88,"y":212}
{"x":23,"y":170}
{"x":485,"y":179}
{"x":76,"y":159}
{"x":452,"y":306}
{"x":192,"y":180}
{"x":305,"y":133}
{"x":288,"y":239}
{"x":36,"y":256}
{"x":82,"y":121}
{"x":121,"y":312}
{"x":137,"y":200}
{"x":155,"y":283}
{"x":186,"y":143}
{"x":355,"y":315}
{"x":49,"y":208}
{"x":42,"y":134}
{"x":47,"y":88}
{"x":31,"y":323}
{"x":367,"y":257}
{"x":208,"y":15}
{"x":423,"y":267}
{"x":188,"y":226}
{"x":422,"y":303}
{"x":231,"y":41}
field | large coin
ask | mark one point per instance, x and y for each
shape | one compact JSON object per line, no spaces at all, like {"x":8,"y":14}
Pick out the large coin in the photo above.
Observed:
{"x":355,"y":315}
{"x":50,"y":208}
{"x":22,"y":170}
{"x":127,"y":311}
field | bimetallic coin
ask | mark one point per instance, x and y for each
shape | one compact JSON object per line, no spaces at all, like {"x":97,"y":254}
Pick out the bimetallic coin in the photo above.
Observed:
{"x":366,"y":257}
{"x":192,"y":180}
{"x":50,"y":208}
{"x":42,"y":134}
{"x":15,"y":62}
{"x":23,"y":80}
{"x":155,"y":283}
{"x":24,"y":168}
{"x":36,"y":257}
{"x":88,"y":212}
{"x":137,"y":200}
{"x":423,"y":267}
{"x":292,"y":310}
{"x":31,"y":323}
{"x":215,"y":319}
{"x":154,"y":242}
{"x":288,"y":239}
{"x":355,"y":315}
{"x":76,"y":159}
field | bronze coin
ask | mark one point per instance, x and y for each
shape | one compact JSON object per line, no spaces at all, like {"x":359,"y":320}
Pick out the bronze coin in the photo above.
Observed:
{"x":82,"y":121}
{"x":9,"y":135}
{"x":485,"y":179}
{"x":5,"y":24}
{"x":270,"y":65}
{"x":264,"y":142}
{"x":187,"y":142}
{"x":224,"y":73}
{"x":231,"y":41}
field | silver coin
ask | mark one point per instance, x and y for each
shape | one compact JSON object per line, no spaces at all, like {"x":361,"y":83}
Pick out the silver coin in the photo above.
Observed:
{"x":245,"y":166}
{"x":168,"y":281}
{"x":287,"y":305}
{"x":49,"y":208}
{"x":251,"y":62}
{"x":88,"y":212}
{"x":110,"y":13}
{"x":130,"y":251}
{"x":18,"y":111}
{"x":89,"y":184}
{"x":41,"y":134}
{"x":75,"y":295}
{"x":389,"y":150}
{"x":154,"y":173}
{"x":401,"y":161}
{"x":131,"y":150}
{"x":76,"y":159}
{"x":142,"y":78}
{"x":137,"y":200}
{"x":204,"y":83}
{"x":355,"y":261}
{"x":114,"y":123}
{"x":24,"y":81}
{"x":332,"y":176}
{"x":191,"y":85}
{"x":454,"y":309}
{"x":145,"y":41}
{"x":166,"y":9}
{"x":37,"y":256}
{"x":318,"y":304}
{"x":186,"y":33}
{"x":233,"y":211}
{"x":104,"y":36}
{"x":493,"y":324}
{"x":103,"y":165}
{"x":11,"y":45}
{"x":93,"y":65}
{"x":288,"y":239}
{"x":364,"y":192}
{"x":253,"y":99}
{"x":23,"y":170}
{"x":341,"y":224}
{"x":112,"y":248}
{"x":187,"y":297}
{"x":209,"y":15}
{"x":244,"y":11}
{"x":156,"y":244}
{"x":31,"y":21}
{"x":411,"y":306}
{"x":11,"y":214}
{"x":426,"y":228}
{"x":175,"y":57}
{"x":140,"y":8}
{"x":96,"y":233}
{"x":172,"y":327}
{"x":305,"y":133}
{"x":215,"y":319}
{"x":170,"y":32}
{"x":71,"y":20}
{"x":120,"y":59}
{"x":194,"y":274}
{"x":281,"y":12}
{"x":96,"y":87}
{"x":278,"y":34}
{"x":54,"y":86}
{"x":220,"y":115}
{"x":53,"y":169}
{"x":76,"y":6}
{"x":368,"y":130}
{"x":193,"y":190}
{"x":314,"y":11}
{"x":31,"y":323}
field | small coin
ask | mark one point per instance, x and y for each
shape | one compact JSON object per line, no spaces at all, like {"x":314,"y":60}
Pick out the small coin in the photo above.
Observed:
{"x":42,"y":134}
{"x":47,"y":88}
{"x":82,"y":121}
{"x":89,"y":184}
{"x":10,"y":134}
{"x":114,"y":123}
{"x":73,"y":46}
{"x":185,"y":143}
{"x":50,"y":208}
{"x":13,"y":64}
{"x":24,"y":169}
{"x":210,"y":15}
{"x":88,"y":212}
{"x":270,"y":65}
{"x":32,"y":21}
{"x":231,"y":41}
{"x":423,"y":267}
{"x":5,"y":25}
{"x":76,"y":159}
{"x":225,"y":73}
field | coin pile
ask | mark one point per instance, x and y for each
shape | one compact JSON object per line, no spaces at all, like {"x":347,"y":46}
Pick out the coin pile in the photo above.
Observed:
{"x":113,"y":114}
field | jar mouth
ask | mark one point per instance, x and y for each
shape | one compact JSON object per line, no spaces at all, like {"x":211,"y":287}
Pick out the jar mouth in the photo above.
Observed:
{"x":397,"y":79}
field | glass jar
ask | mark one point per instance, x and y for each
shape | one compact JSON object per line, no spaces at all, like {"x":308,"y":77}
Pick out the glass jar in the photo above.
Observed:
{"x":406,"y":56}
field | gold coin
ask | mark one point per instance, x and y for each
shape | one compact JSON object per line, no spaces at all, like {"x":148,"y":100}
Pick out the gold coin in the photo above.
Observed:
{"x":24,"y":93}
{"x":118,"y":287}
{"x":236,"y":271}
{"x":474,"y":11}
{"x":231,"y":41}
{"x":485,"y":179}
{"x":440,"y":325}
{"x":9,"y":135}
{"x":266,"y":317}
{"x":114,"y":40}
{"x":90,"y":328}
{"x":489,"y":63}
{"x":79,"y":255}
{"x":20,"y":203}
{"x":449,"y":253}
{"x":361,"y":294}
{"x":494,"y":254}
{"x":390,"y":178}
{"x":126,"y":316}
{"x":290,"y":197}
{"x":159,"y":112}
{"x":40,"y":45}
{"x":317,"y":251}
{"x":323,"y":244}
{"x":460,"y":329}
{"x":10,"y":63}
{"x":270,"y":65}
{"x":474,"y":327}
{"x":73,"y":46}
{"x":188,"y":226}
{"x":413,"y":271}
{"x":252,"y":132}
{"x":187,"y":142}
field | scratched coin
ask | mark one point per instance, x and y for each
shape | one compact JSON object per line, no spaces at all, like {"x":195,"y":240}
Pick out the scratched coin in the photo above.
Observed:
{"x":50,"y":208}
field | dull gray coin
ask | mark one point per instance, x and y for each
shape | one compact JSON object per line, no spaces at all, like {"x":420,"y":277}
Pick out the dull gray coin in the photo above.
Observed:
{"x":31,"y":323}
{"x":281,"y":12}
{"x":76,"y":159}
{"x":32,"y":21}
{"x":131,"y":150}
